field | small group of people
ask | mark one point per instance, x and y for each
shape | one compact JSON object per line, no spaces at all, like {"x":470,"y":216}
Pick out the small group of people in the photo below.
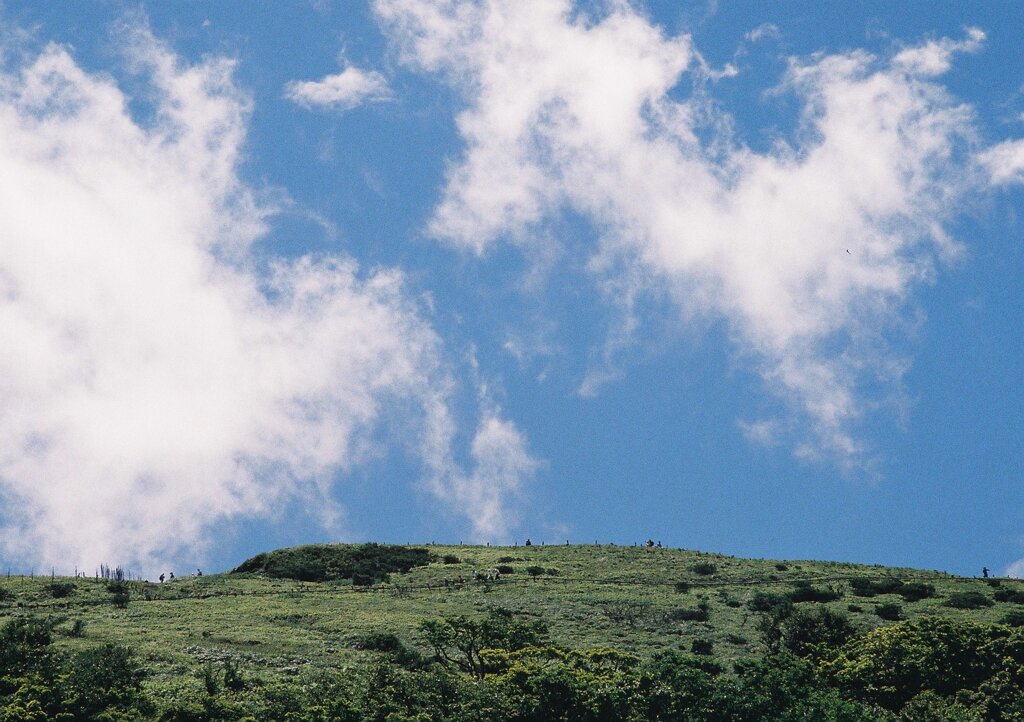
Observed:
{"x":170,"y":576}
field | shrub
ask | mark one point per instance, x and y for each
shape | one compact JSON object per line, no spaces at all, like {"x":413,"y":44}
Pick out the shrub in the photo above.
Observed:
{"x":364,"y":564}
{"x":866,"y":587}
{"x":704,"y":569}
{"x":890,"y":612}
{"x":700,"y":614}
{"x":1006,"y":594}
{"x":502,"y":560}
{"x":389,"y":643}
{"x":682,"y":587}
{"x":1014,"y":618}
{"x":704,"y":647}
{"x":854,"y":608}
{"x":119,"y":593}
{"x":76,"y":630}
{"x":534,"y":571}
{"x":805,"y":592}
{"x":766,"y":601}
{"x":915,"y":591}
{"x":102,"y":678}
{"x":6,"y":595}
{"x":968,"y":600}
{"x":736,"y":639}
{"x":505,"y":569}
{"x":803,"y":631}
{"x":59,"y":590}
{"x":781,"y":567}
{"x":451,"y":559}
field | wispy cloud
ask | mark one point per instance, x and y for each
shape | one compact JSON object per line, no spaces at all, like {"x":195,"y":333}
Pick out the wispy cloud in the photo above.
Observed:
{"x":156,"y":375}
{"x":812,"y":251}
{"x":345,"y":90}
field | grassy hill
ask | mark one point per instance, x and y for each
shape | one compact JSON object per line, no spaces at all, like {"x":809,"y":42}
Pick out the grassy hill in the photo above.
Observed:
{"x":259,"y":625}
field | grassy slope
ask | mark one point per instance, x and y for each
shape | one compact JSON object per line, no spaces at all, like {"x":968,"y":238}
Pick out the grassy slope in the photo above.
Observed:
{"x":620,"y":597}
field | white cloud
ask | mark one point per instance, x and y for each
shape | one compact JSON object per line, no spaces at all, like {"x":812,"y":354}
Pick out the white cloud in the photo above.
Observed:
{"x":345,"y":90}
{"x":1015,"y":570}
{"x":153,"y":379}
{"x":811,"y":251}
{"x":764,"y":31}
{"x":1004,"y":163}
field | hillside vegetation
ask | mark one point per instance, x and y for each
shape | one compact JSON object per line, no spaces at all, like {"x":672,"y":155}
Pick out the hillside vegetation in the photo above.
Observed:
{"x":374,"y":632}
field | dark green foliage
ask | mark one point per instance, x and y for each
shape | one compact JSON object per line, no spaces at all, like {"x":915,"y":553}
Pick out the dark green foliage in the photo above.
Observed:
{"x":364,"y":564}
{"x":736,"y":639}
{"x":682,"y":587}
{"x":806,"y":632}
{"x":890,"y":612}
{"x":704,"y":647}
{"x":704,"y":569}
{"x":765,"y":601}
{"x":674,"y":686}
{"x":390,"y":644}
{"x":700,"y":614}
{"x":855,"y":608}
{"x":781,"y":567}
{"x":459,"y":641}
{"x":1014,"y":618}
{"x":893,"y":664}
{"x":968,"y":600}
{"x":865,"y":587}
{"x":1006,"y":594}
{"x":505,"y":569}
{"x":534,"y":570}
{"x":104,"y":678}
{"x":451,"y":559}
{"x":120,"y":593}
{"x":25,"y":646}
{"x":915,"y":591}
{"x":76,"y":630}
{"x":806,"y":592}
{"x":6,"y":595}
{"x":59,"y":590}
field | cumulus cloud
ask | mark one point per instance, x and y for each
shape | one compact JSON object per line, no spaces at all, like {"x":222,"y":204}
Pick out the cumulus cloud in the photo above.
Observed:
{"x":156,"y":375}
{"x":1004,"y":163}
{"x":811,"y":250}
{"x":345,"y":90}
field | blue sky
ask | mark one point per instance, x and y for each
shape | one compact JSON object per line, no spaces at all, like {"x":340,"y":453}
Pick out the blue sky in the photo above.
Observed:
{"x":736,"y":276}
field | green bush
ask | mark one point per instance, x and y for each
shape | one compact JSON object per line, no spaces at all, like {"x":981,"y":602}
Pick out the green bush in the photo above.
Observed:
{"x":968,"y":600}
{"x":806,"y":592}
{"x":701,"y":614}
{"x":915,"y":591}
{"x":389,"y":643}
{"x":805,"y":631}
{"x":704,"y":569}
{"x":704,"y":647}
{"x":867,"y":587}
{"x":505,"y":569}
{"x":890,"y":612}
{"x":1006,"y":594}
{"x":682,"y":587}
{"x":363,"y":564}
{"x":1014,"y":618}
{"x":766,"y":601}
{"x":59,"y":590}
{"x":451,"y":559}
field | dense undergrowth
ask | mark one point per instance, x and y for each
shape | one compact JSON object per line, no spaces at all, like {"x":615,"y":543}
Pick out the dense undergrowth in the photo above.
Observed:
{"x":600,"y":633}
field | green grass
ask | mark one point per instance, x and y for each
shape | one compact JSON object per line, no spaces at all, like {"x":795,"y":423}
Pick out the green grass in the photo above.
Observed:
{"x":591,"y":596}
